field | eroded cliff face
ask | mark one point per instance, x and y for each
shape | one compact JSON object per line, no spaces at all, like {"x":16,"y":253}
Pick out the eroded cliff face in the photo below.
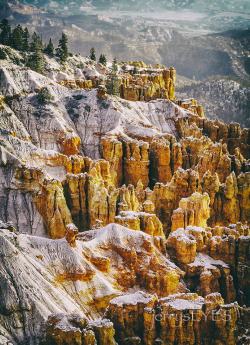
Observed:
{"x":117,"y":214}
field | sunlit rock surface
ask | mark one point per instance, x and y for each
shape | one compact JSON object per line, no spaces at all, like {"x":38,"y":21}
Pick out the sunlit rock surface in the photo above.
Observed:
{"x":117,"y":212}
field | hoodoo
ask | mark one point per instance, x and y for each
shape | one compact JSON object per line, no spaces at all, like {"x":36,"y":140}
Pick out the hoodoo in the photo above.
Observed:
{"x":124,"y":219}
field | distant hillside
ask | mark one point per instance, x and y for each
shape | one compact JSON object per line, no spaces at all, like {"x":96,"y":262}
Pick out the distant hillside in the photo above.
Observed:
{"x":218,"y":54}
{"x":229,"y":100}
{"x":146,"y":38}
{"x":197,"y":5}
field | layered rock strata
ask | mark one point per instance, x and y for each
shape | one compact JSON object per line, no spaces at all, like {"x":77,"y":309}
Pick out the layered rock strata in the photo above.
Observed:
{"x":108,"y":197}
{"x":173,"y":320}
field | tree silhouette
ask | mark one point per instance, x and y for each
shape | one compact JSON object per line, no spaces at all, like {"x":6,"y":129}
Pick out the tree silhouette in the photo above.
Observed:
{"x":35,"y":61}
{"x":49,"y":48}
{"x":92,"y":55}
{"x":17,"y":37}
{"x":3,"y":55}
{"x":103,"y":59}
{"x":62,"y":50}
{"x":26,"y":36}
{"x":36,"y":42}
{"x":112,"y":84}
{"x":5,"y":32}
{"x":135,"y":69}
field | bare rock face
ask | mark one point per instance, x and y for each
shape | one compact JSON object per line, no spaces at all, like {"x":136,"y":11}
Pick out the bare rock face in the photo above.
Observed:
{"x":49,"y":199}
{"x":192,"y":211}
{"x":71,"y":232}
{"x":148,"y":84}
{"x":160,"y":156}
{"x":134,"y":329}
{"x":167,"y":197}
{"x":40,"y":277}
{"x":171,"y":320}
{"x":137,"y":204}
{"x":141,"y":263}
{"x":73,"y":329}
{"x":185,"y":247}
{"x":113,"y":152}
{"x":65,"y":329}
{"x":211,"y":255}
{"x":146,"y":222}
{"x":136,"y":163}
{"x":242,"y":269}
{"x":231,"y":134}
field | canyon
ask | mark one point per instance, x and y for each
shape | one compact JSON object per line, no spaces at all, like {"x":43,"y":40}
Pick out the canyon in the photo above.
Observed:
{"x":124,"y":220}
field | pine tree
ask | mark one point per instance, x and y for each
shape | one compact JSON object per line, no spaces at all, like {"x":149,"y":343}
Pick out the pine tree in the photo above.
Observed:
{"x":45,"y":95}
{"x":62,"y":50}
{"x":36,"y":42}
{"x":49,"y":50}
{"x":5,"y":32}
{"x":103,"y":59}
{"x":135,"y":69}
{"x":3,"y":55}
{"x":112,"y":84}
{"x":35,"y":61}
{"x":17,"y":37}
{"x":92,"y":55}
{"x":26,"y":36}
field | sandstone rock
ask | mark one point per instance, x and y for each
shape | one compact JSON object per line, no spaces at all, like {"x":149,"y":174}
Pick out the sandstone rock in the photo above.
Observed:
{"x":104,"y":332}
{"x":101,"y":92}
{"x":192,"y":211}
{"x":112,"y":152}
{"x":64,"y":329}
{"x":160,"y":156}
{"x":184,"y":246}
{"x":231,"y":208}
{"x":242,"y":269}
{"x":75,"y":192}
{"x":172,"y":320}
{"x":176,"y":157}
{"x":244,"y":142}
{"x":149,"y":84}
{"x":73,"y":329}
{"x":146,"y":222}
{"x":49,"y":199}
{"x":243,"y":181}
{"x":221,"y":244}
{"x":84,"y":161}
{"x":167,"y":197}
{"x":141,"y":324}
{"x":136,"y":163}
{"x":70,"y":145}
{"x":71,"y":232}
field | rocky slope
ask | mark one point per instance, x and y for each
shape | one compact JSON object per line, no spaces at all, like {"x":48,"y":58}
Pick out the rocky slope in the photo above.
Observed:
{"x":123,"y":220}
{"x":223,"y":98}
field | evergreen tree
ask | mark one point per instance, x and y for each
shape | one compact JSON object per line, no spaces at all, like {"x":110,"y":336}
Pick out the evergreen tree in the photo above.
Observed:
{"x":5,"y":32}
{"x":35,"y":61}
{"x":62,"y":50}
{"x":17,"y":37}
{"x":92,"y":55}
{"x":26,"y":36}
{"x":49,"y":50}
{"x":45,"y":95}
{"x":25,"y":59}
{"x":3,"y":55}
{"x":36,"y":42}
{"x":135,"y":69}
{"x":112,"y":84}
{"x":103,"y":59}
